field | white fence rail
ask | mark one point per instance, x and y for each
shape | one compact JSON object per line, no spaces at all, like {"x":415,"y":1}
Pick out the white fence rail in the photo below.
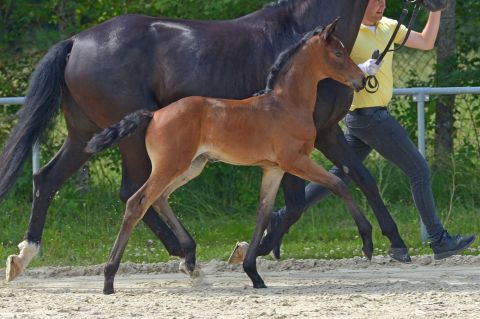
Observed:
{"x":36,"y":146}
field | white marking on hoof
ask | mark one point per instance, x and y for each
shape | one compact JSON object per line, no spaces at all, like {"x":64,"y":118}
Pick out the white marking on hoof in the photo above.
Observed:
{"x":273,"y":255}
{"x":198,"y":277}
{"x":239,"y":253}
{"x":14,"y":268}
{"x":16,"y":264}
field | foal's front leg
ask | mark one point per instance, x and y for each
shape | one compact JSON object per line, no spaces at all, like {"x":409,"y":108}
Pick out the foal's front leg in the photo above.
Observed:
{"x":270,"y":181}
{"x":305,"y":168}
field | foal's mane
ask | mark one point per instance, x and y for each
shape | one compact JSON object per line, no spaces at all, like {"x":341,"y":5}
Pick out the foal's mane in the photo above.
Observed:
{"x":285,"y":56}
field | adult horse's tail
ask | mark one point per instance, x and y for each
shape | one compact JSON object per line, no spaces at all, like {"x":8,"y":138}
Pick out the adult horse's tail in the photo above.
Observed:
{"x":113,"y":134}
{"x":41,"y":103}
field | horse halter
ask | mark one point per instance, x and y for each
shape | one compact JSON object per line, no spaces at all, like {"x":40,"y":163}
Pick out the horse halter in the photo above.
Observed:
{"x":372,"y":83}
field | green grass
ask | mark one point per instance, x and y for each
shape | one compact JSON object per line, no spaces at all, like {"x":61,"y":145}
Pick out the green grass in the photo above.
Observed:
{"x":80,"y":230}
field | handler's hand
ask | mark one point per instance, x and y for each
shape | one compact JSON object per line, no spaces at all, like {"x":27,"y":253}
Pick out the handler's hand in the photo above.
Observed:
{"x":370,"y":67}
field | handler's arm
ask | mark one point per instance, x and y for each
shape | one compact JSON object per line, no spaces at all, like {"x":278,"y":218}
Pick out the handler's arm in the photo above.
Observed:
{"x":426,"y":39}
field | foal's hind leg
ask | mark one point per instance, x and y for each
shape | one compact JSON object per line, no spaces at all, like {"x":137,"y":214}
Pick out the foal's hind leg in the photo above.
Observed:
{"x":136,"y":168}
{"x":187,"y":243}
{"x":137,"y":205}
{"x":305,"y":168}
{"x":270,"y":181}
{"x":46,"y":183}
{"x":159,"y":182}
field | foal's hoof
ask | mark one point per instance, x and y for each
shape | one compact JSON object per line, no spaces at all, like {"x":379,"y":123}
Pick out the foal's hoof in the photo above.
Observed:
{"x":192,"y":271}
{"x":399,"y":254}
{"x":14,"y":267}
{"x":238,"y":254}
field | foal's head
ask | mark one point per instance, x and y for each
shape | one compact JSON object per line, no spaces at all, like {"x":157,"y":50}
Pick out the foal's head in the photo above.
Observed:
{"x":333,"y":60}
{"x":324,"y":55}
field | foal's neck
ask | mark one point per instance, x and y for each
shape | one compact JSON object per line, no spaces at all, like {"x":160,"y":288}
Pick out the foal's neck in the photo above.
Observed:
{"x":298,"y":83}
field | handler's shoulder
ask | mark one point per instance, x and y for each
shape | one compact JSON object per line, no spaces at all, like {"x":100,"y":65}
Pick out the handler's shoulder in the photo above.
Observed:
{"x":391,"y":23}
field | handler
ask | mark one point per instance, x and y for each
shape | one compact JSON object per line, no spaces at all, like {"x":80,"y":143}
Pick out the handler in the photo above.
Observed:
{"x":370,"y":125}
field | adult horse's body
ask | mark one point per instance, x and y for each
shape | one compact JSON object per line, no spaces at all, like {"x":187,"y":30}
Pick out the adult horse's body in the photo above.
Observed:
{"x":134,"y":62}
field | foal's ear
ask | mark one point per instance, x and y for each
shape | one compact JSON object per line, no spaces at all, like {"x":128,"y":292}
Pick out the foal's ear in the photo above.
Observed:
{"x":329,"y":29}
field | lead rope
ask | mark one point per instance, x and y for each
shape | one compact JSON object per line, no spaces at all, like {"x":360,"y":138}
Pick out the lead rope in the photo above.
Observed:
{"x":372,"y":84}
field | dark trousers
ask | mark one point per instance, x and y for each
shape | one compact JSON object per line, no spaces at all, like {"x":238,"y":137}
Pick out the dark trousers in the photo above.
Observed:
{"x":374,"y":128}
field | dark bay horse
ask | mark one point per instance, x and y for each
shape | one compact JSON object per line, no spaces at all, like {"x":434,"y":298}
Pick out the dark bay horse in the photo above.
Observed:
{"x":134,"y":62}
{"x":274,"y":131}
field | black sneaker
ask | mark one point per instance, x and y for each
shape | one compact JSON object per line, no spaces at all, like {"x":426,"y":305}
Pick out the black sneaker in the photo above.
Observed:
{"x":448,"y":245}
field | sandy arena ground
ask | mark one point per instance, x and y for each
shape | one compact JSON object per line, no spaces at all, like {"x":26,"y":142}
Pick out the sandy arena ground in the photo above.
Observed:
{"x":351,"y":288}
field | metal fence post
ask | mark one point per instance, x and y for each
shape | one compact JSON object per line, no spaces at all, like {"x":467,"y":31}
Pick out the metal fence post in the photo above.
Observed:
{"x":35,"y":169}
{"x":421,"y":98}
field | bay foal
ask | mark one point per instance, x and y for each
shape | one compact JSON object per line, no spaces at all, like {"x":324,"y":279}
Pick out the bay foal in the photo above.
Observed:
{"x":274,"y":130}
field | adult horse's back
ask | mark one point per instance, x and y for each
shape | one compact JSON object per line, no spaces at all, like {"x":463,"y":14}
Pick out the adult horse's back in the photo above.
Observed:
{"x":134,"y":62}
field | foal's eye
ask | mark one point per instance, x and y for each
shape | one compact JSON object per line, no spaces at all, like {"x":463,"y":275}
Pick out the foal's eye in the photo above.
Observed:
{"x":338,"y":54}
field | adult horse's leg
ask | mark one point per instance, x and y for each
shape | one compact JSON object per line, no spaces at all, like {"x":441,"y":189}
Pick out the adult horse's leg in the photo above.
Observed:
{"x":271,"y":179}
{"x":46,"y":183}
{"x":280,"y":222}
{"x":334,"y":146}
{"x":136,"y":168}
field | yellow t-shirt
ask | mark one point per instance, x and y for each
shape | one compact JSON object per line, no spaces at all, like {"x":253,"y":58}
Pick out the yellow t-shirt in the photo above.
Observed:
{"x":368,"y":41}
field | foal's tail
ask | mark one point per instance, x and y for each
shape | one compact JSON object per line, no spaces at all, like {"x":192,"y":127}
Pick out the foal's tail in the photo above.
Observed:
{"x":41,"y":103}
{"x":113,"y":134}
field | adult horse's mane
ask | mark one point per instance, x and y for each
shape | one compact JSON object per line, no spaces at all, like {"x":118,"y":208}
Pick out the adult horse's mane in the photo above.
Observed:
{"x":285,"y":56}
{"x":279,"y":3}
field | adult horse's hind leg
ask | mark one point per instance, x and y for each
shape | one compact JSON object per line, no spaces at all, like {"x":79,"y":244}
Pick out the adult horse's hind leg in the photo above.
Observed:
{"x":271,"y":179}
{"x":46,"y":183}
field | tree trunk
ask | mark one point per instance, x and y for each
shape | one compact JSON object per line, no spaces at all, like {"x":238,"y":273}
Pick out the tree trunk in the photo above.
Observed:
{"x":66,"y":14}
{"x":444,"y":112}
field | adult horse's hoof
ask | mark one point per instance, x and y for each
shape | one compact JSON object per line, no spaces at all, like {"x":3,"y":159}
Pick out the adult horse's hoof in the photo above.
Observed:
{"x":259,"y":285}
{"x":238,"y":254}
{"x":108,"y":291}
{"x":276,"y":254}
{"x":14,"y":267}
{"x":367,"y":253}
{"x":273,"y":236}
{"x":399,"y":254}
